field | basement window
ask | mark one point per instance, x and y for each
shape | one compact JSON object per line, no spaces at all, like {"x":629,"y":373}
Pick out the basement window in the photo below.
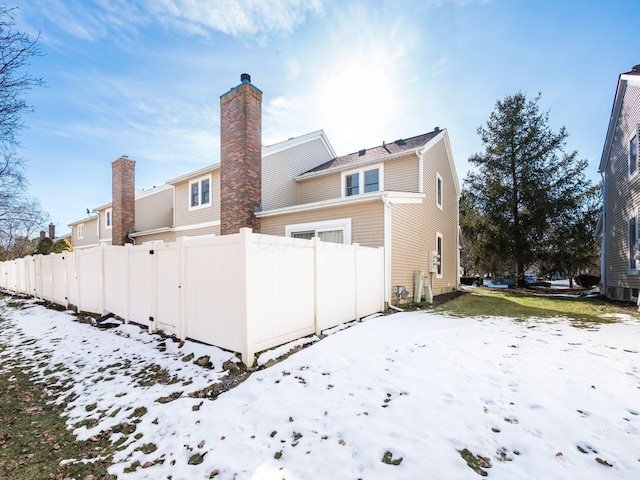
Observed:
{"x":335,"y":231}
{"x":364,"y":180}
{"x":200,"y":192}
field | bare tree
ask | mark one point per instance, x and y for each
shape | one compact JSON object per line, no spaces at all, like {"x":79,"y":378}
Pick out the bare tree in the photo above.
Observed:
{"x":20,"y":215}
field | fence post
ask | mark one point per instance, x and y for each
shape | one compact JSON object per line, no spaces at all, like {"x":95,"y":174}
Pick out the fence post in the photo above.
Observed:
{"x":316,"y":283}
{"x":154,"y":289}
{"x":246,"y":237}
{"x":355,"y":278}
{"x":128,"y":270}
{"x":182,"y":262}
{"x":383,"y":276}
{"x":102,"y":280}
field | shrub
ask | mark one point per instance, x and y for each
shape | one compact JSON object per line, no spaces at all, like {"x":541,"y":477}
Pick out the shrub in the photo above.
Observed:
{"x":44,"y":246}
{"x":587,"y":280}
{"x":61,"y":245}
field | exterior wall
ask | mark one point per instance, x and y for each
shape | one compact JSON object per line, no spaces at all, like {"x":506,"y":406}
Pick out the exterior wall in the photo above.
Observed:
{"x":279,"y":189}
{"x":154,"y":210}
{"x":320,"y":188}
{"x":414,"y":228}
{"x":172,"y":235}
{"x":90,"y":234}
{"x":367,"y":221}
{"x":184,"y":216}
{"x":622,"y":196}
{"x":105,"y":233}
{"x":401,"y":175}
{"x":240,"y":157}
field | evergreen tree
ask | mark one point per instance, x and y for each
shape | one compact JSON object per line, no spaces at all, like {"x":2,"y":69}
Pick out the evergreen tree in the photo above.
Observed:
{"x":522,"y":191}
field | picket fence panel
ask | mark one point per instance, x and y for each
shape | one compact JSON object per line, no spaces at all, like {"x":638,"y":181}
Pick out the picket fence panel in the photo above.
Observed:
{"x":245,"y":292}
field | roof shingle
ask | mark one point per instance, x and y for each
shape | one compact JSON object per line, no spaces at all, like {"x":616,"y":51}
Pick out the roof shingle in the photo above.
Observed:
{"x":374,"y":153}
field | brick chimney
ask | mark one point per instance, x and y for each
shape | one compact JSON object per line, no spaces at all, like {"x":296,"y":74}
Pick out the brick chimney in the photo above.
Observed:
{"x":123,"y":206}
{"x":52,"y":231}
{"x":42,"y":234}
{"x":240,"y":157}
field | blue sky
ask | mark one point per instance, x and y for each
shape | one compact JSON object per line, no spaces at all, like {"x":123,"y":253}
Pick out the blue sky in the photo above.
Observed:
{"x":143,"y":78}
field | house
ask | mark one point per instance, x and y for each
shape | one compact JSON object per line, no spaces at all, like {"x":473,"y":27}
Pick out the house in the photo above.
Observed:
{"x":402,"y":195}
{"x":153,"y":210}
{"x":618,"y":224}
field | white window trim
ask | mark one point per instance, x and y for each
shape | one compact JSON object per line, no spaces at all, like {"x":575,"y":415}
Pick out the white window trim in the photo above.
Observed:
{"x":635,"y":133}
{"x":108,"y":219}
{"x":360,"y":171}
{"x":343,"y":224}
{"x":199,"y":182}
{"x":632,"y":271}
{"x":80,"y":232}
{"x":439,"y":236}
{"x":439,"y":179}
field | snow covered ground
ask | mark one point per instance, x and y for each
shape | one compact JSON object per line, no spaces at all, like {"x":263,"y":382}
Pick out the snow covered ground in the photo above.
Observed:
{"x":539,"y":398}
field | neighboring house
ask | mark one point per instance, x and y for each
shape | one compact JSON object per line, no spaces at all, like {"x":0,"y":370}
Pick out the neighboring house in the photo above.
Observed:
{"x":402,"y":195}
{"x":618,"y":224}
{"x":153,"y":207}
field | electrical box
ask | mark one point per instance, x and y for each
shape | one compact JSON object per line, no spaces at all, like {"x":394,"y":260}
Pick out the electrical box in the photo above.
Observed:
{"x":434,"y":263}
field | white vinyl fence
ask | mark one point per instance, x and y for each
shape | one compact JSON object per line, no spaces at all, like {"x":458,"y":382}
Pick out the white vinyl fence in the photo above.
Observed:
{"x":245,"y":292}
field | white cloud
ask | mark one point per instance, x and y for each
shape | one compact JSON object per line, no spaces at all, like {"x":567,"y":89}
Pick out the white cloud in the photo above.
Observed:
{"x":92,"y":20}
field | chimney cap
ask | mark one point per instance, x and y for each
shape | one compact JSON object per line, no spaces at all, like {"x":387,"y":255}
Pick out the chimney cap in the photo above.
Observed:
{"x":245,"y":78}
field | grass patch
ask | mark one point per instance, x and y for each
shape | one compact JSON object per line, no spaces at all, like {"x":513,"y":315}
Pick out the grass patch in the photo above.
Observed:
{"x":491,"y":302}
{"x":34,"y":438}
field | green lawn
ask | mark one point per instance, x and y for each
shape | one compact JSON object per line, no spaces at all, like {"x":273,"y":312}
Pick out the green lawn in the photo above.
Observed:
{"x":502,"y":302}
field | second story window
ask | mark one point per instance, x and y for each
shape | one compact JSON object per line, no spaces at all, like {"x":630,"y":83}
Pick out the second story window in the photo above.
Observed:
{"x":352,"y":186}
{"x":80,"y":235}
{"x":364,"y":180}
{"x":438,"y":190}
{"x":200,"y":192}
{"x":633,"y":154}
{"x":107,"y":219}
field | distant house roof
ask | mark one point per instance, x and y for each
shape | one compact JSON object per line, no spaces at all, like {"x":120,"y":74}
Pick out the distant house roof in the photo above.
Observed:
{"x":369,"y":154}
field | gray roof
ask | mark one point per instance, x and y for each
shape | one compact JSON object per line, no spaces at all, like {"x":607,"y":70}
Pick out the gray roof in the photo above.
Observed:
{"x":377,"y":152}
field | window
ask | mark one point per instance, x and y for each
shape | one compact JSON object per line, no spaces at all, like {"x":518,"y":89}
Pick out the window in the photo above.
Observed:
{"x":633,"y":153}
{"x":364,"y":180}
{"x":80,"y":234}
{"x":439,"y":250}
{"x":633,"y":238}
{"x":438,"y":190}
{"x":107,"y":219}
{"x":200,"y":193}
{"x":336,"y":231}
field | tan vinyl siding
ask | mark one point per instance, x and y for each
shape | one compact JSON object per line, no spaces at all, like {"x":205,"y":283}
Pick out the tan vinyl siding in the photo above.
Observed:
{"x":154,"y":210}
{"x":367,"y":221}
{"x":279,"y":189}
{"x":184,"y":216}
{"x":401,"y":175}
{"x":172,"y":235}
{"x":622,"y":196}
{"x":105,"y":233}
{"x":325,"y":187}
{"x":90,"y":234}
{"x":414,"y":229}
